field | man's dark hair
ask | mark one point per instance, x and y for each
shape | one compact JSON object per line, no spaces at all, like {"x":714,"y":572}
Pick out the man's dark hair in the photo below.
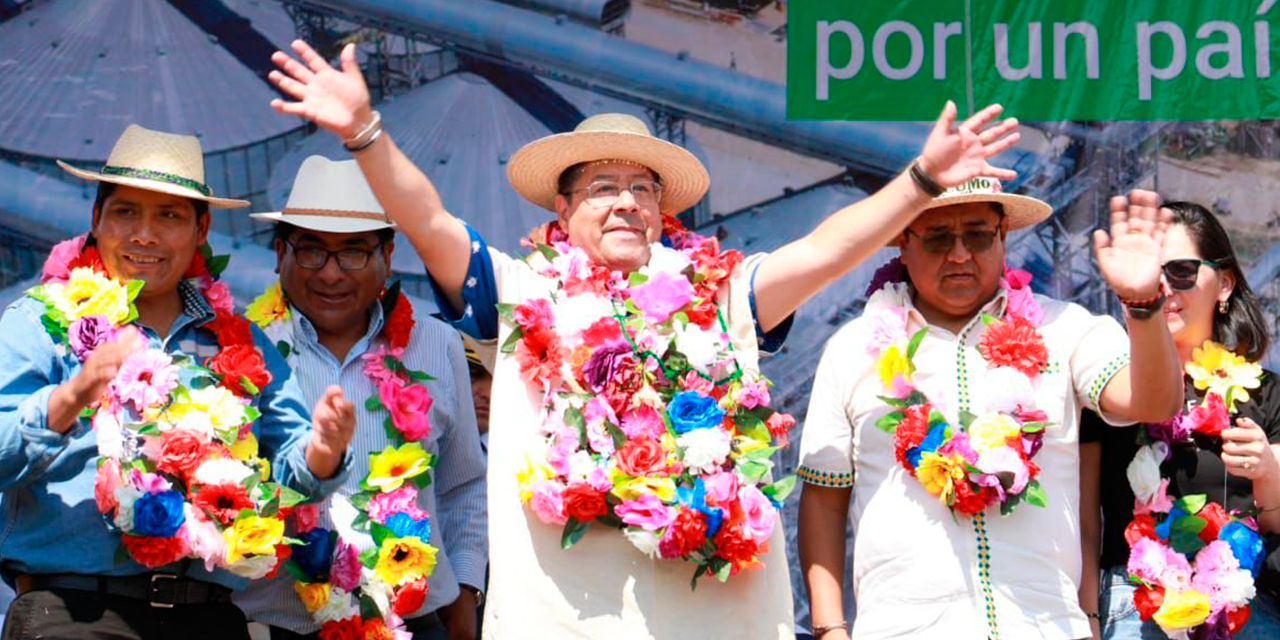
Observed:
{"x":105,"y":189}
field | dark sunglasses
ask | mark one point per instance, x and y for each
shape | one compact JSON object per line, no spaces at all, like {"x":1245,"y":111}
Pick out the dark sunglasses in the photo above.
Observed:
{"x":1182,"y":274}
{"x":974,"y":241}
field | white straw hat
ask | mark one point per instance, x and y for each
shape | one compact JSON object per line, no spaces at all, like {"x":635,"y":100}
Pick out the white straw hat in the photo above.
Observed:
{"x":333,"y":196}
{"x":1019,"y":211}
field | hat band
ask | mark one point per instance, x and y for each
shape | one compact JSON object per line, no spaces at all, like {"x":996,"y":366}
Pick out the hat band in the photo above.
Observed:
{"x":336,"y":213}
{"x":159,"y":176}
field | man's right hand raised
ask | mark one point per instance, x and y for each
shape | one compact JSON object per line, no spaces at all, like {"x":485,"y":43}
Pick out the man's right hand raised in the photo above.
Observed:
{"x":336,"y":100}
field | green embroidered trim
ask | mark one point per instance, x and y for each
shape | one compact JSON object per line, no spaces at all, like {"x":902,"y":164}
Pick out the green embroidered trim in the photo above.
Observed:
{"x":984,"y":572}
{"x":1108,"y":372}
{"x":825,"y":478}
{"x":1051,"y":368}
{"x":962,"y":370}
{"x":147,"y":174}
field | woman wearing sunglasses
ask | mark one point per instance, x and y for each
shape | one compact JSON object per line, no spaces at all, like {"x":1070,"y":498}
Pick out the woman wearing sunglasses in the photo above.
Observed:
{"x":1238,"y":467}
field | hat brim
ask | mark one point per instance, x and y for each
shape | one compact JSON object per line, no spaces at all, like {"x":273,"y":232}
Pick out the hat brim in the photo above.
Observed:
{"x":154,"y":185}
{"x":327,"y":224}
{"x":1019,"y":211}
{"x":534,"y":170}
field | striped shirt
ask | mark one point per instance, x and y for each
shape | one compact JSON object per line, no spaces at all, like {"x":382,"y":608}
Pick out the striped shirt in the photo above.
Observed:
{"x":455,"y":499}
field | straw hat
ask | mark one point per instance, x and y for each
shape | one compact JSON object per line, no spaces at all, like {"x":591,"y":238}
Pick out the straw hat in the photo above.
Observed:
{"x":535,"y":169}
{"x":157,"y":161}
{"x":333,"y":196}
{"x":1019,"y":211}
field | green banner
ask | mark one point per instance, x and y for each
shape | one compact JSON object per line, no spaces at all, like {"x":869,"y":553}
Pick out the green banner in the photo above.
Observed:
{"x":1042,"y":59}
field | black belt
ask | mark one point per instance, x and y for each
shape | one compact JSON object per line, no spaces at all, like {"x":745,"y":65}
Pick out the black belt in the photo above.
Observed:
{"x":161,"y":590}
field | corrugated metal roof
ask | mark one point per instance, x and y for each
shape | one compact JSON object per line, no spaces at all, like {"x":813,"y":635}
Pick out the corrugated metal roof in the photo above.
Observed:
{"x":268,"y":18}
{"x":75,"y":73}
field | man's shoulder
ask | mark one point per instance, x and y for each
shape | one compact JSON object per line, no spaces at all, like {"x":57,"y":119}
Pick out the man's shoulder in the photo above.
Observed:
{"x":1070,"y":314}
{"x":427,"y":328}
{"x":27,"y":308}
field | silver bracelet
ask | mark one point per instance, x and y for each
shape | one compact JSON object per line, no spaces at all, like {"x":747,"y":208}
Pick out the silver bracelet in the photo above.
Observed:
{"x":364,"y":138}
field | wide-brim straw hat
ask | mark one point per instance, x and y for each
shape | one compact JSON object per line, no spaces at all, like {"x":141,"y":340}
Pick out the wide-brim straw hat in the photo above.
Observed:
{"x":331,"y":196}
{"x":1019,"y":211}
{"x":157,"y":161}
{"x":535,"y":169}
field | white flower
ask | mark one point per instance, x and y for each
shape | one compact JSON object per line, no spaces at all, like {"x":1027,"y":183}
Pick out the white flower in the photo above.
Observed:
{"x":125,"y":495}
{"x":341,"y":514}
{"x":580,"y":465}
{"x":253,"y":568}
{"x":645,"y":541}
{"x":110,"y":433}
{"x":337,"y":607}
{"x":1237,"y":587}
{"x":663,"y":259}
{"x":705,"y":449}
{"x":1007,"y":389}
{"x":575,"y":313}
{"x":377,"y":590}
{"x":1144,"y":471}
{"x":222,"y":471}
{"x":194,"y":422}
{"x":703,"y":348}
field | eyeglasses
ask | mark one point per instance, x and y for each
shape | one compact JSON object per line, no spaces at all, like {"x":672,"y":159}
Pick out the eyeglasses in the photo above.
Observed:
{"x":604,"y":193}
{"x":313,"y":257}
{"x":974,"y":241}
{"x":1182,"y":274}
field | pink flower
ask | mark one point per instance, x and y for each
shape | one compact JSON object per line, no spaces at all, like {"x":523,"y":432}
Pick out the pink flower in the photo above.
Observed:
{"x":409,"y":405}
{"x":384,"y":505}
{"x":57,"y":265}
{"x":900,"y":387}
{"x":375,"y":365}
{"x":146,"y":378}
{"x":959,"y":445}
{"x":1155,"y":562}
{"x":1021,"y":299}
{"x":779,"y":425}
{"x":306,"y":517}
{"x":759,"y":515}
{"x":344,"y":573}
{"x":104,"y":485}
{"x":1160,"y":501}
{"x":662,"y":295}
{"x":888,"y":325}
{"x":148,"y":482}
{"x":694,"y":382}
{"x":219,"y":297}
{"x":548,"y":502}
{"x":643,"y":422}
{"x":647,"y":512}
{"x":721,"y":487}
{"x":596,"y":413}
{"x":1005,"y":460}
{"x":203,"y":539}
{"x":535,"y":315}
{"x":753,"y":394}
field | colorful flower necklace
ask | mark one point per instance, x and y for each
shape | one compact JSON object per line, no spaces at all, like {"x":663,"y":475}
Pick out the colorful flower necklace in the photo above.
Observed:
{"x":1194,"y":563}
{"x":649,"y":426}
{"x":383,"y":529}
{"x":178,"y":474}
{"x":985,"y":460}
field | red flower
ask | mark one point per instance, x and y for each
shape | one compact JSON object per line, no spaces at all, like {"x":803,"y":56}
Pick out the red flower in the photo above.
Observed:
{"x":970,"y":500}
{"x":534,"y":315}
{"x":399,"y":324}
{"x":642,"y":458}
{"x":1215,"y":517}
{"x":231,"y":329}
{"x":1236,"y":619}
{"x":703,"y":313}
{"x":1148,"y":601}
{"x":91,"y":258}
{"x":1014,"y":343}
{"x":714,"y":265}
{"x":583,"y":503}
{"x":733,"y":544}
{"x":1211,"y":417}
{"x":222,"y":501}
{"x":597,"y":282}
{"x":152,"y":552}
{"x":409,"y":597}
{"x":539,"y":356}
{"x":601,"y":331}
{"x":1143,"y":526}
{"x":181,"y":451}
{"x":197,"y":268}
{"x":376,"y":629}
{"x":240,"y":360}
{"x":910,"y":432}
{"x":686,"y":534}
{"x":283,"y":551}
{"x":779,"y":425}
{"x":344,"y":629}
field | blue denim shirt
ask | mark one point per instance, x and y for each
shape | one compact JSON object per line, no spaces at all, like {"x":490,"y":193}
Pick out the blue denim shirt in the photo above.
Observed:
{"x":50,"y":521}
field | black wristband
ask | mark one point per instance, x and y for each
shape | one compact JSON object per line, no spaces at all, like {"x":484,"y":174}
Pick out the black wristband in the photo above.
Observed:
{"x":923,"y":180}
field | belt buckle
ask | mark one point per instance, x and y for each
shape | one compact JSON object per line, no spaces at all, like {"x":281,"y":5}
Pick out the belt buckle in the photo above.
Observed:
{"x":156,"y":593}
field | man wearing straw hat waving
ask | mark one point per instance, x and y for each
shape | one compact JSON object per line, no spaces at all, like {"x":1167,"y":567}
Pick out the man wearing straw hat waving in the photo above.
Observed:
{"x":151,"y":441}
{"x":630,"y":494}
{"x":338,"y":322}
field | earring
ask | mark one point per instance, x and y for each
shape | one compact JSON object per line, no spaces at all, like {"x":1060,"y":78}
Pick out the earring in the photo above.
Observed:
{"x":1222,"y":306}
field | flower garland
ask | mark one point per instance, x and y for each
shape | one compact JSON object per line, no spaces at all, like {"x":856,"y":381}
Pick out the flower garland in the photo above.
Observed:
{"x":1194,"y":562}
{"x":178,"y":474}
{"x":985,"y":460}
{"x":361,"y":578}
{"x":650,"y":426}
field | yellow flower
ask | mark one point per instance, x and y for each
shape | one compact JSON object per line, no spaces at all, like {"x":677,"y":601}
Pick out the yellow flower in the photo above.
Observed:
{"x":402,"y":560}
{"x":532,"y":471}
{"x":88,"y":293}
{"x":629,"y":488}
{"x":991,"y":431}
{"x":1182,"y":610}
{"x":268,"y":307}
{"x":939,"y":475}
{"x":253,"y":535}
{"x":245,"y":448}
{"x":389,"y":469}
{"x":1223,"y":372}
{"x":892,"y":364}
{"x":226,"y":411}
{"x":264,"y":469}
{"x":312,"y":594}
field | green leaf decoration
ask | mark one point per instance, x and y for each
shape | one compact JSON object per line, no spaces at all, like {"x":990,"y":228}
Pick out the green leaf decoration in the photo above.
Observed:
{"x":507,"y":312}
{"x":369,"y":557}
{"x":420,"y":376}
{"x":361,"y":522}
{"x":145,"y":428}
{"x":218,"y":264}
{"x":284,"y":348}
{"x":251,"y":413}
{"x":380,"y":532}
{"x":296,"y":572}
{"x":360,"y":500}
{"x":914,"y":344}
{"x":751,"y":426}
{"x":390,"y":298}
{"x":722,"y":574}
{"x":423,"y":480}
{"x":1036,"y":426}
{"x":636,"y":278}
{"x":1009,"y":504}
{"x":988,"y":319}
{"x":289,"y":497}
{"x":248,"y":385}
{"x":615,"y":432}
{"x":752,"y":470}
{"x":1034,"y":494}
{"x":573,"y":418}
{"x":573,"y":532}
{"x":373,"y":403}
{"x":368,"y":608}
{"x":513,"y":339}
{"x":88,"y":412}
{"x":389,"y":428}
{"x":271,"y":508}
{"x":548,"y":251}
{"x":681,"y":317}
{"x":780,"y":490}
{"x":967,"y":418}
{"x":1184,"y":535}
{"x":888,"y":423}
{"x":1192,"y":504}
{"x":893,"y":402}
{"x":698,"y":573}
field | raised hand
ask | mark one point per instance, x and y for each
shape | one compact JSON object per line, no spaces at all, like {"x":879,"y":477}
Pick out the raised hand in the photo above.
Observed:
{"x":954,"y":154}
{"x":101,"y":367}
{"x":333,"y":422}
{"x":336,"y":100}
{"x":1129,"y":256}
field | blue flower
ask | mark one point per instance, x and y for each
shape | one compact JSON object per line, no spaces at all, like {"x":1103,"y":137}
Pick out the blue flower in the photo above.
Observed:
{"x":1246,"y":544}
{"x":691,"y":410}
{"x":1162,"y":529}
{"x":158,"y":514}
{"x":932,"y":440}
{"x":403,"y":526}
{"x":696,"y":498}
{"x":315,"y":555}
